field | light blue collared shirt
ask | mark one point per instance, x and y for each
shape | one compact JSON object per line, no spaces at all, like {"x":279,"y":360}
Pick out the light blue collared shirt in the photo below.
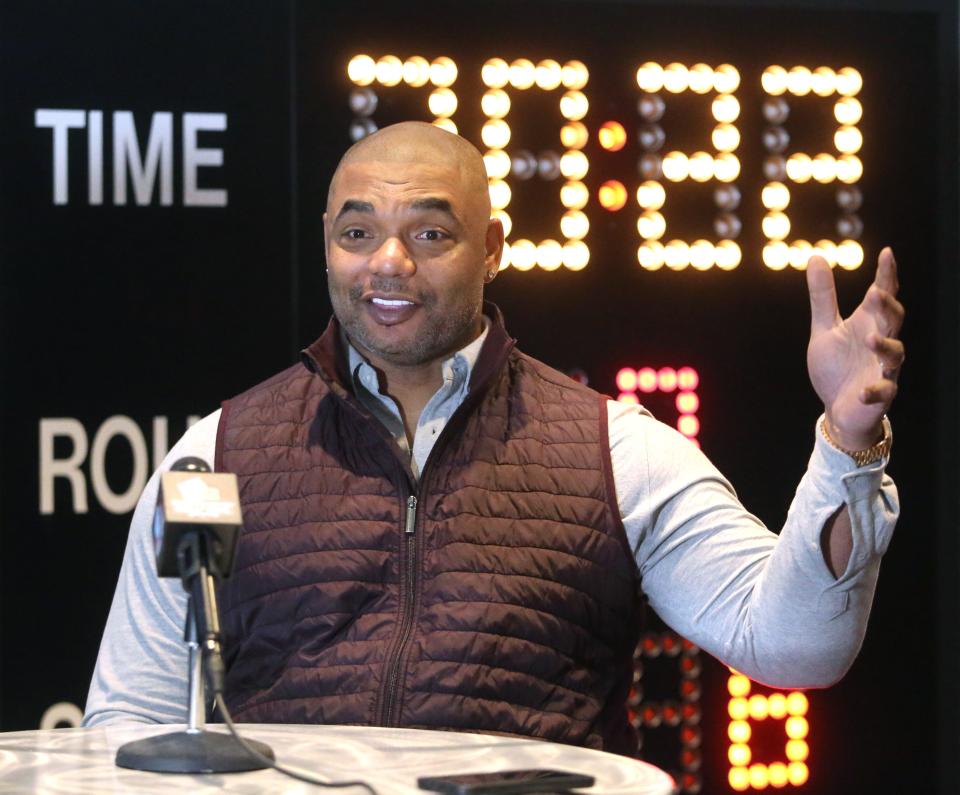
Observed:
{"x":456,"y":370}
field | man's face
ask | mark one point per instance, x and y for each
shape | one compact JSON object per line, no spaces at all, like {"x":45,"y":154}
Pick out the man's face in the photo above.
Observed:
{"x":407,"y":256}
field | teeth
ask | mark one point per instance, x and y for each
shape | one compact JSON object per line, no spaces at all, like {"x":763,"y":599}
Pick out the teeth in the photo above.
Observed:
{"x":389,"y":302}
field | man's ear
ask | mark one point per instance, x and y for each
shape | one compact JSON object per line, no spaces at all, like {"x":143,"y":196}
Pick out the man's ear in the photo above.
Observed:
{"x":493,"y":246}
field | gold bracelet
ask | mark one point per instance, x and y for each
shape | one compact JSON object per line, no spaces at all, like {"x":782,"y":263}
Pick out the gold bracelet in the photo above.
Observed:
{"x":863,"y":457}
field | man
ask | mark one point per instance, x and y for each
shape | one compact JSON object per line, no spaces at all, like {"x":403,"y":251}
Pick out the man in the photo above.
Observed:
{"x":442,"y":532}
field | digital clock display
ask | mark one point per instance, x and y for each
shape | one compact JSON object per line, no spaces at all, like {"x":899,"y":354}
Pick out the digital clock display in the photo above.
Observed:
{"x":660,"y":167}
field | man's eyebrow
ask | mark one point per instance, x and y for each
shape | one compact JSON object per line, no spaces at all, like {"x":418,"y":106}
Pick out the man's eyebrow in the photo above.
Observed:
{"x":353,"y":205}
{"x":433,"y":203}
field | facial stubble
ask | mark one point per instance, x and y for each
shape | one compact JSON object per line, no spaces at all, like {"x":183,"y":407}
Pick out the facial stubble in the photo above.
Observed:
{"x":440,"y":332}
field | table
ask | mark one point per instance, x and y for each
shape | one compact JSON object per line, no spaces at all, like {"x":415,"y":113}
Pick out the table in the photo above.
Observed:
{"x":391,"y":760}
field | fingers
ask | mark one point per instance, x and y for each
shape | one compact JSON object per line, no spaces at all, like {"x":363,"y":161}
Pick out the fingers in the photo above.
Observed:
{"x":886,"y":276}
{"x":887,"y":310}
{"x":824,"y":313}
{"x":881,"y":392}
{"x":890,"y":353}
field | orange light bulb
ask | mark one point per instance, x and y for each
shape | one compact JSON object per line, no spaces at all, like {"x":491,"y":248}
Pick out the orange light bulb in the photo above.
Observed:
{"x":612,"y":135}
{"x":612,"y":195}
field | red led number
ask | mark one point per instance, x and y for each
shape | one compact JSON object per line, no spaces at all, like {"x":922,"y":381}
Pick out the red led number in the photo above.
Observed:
{"x":681,"y":382}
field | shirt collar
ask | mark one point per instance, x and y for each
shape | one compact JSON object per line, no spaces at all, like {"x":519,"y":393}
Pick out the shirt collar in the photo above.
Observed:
{"x":456,"y":368}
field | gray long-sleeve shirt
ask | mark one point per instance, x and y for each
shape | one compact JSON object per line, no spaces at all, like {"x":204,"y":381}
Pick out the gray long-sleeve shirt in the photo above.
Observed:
{"x":766,"y":605}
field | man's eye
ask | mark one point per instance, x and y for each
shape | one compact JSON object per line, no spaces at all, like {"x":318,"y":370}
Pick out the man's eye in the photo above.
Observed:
{"x":355,"y":234}
{"x":431,"y":234}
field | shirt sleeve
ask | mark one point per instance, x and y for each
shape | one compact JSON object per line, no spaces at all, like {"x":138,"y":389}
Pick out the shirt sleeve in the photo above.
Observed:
{"x":764,"y":604}
{"x":141,"y":671}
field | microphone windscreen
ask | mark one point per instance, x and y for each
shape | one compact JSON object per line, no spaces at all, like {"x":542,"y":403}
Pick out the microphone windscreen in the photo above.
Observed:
{"x":191,"y":502}
{"x":190,"y":464}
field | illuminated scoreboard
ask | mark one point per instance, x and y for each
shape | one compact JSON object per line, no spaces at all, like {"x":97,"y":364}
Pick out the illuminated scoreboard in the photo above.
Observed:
{"x":660,"y":167}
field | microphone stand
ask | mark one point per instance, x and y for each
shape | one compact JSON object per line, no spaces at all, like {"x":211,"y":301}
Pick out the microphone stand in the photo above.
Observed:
{"x":196,"y":712}
{"x":195,"y":750}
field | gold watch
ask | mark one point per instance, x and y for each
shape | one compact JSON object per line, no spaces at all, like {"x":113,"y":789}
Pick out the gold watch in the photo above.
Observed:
{"x":863,"y":457}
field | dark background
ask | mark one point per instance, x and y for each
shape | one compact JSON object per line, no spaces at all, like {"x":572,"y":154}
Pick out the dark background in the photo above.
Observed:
{"x":152,"y":311}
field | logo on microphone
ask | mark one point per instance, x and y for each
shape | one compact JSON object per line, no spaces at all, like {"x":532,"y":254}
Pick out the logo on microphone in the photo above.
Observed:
{"x":197,"y":500}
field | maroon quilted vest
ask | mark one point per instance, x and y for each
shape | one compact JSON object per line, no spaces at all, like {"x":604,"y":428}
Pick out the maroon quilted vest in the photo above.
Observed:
{"x":498,"y":595}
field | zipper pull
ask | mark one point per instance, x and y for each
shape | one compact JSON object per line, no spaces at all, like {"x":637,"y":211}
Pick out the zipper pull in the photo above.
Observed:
{"x":411,"y":513}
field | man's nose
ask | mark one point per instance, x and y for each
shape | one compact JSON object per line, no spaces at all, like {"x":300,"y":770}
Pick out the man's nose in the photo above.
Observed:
{"x":392,"y":259}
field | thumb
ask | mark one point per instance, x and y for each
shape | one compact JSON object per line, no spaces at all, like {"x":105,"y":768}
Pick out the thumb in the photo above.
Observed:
{"x":824,"y":313}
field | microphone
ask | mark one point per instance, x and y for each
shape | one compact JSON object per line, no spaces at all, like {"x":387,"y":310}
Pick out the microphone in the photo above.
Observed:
{"x":195,"y":502}
{"x":195,"y":529}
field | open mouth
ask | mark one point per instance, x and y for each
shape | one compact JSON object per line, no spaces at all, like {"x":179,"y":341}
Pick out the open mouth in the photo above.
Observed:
{"x":391,"y":302}
{"x":390,"y":311}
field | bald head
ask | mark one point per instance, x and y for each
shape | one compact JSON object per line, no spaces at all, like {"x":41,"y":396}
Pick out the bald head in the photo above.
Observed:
{"x":410,"y":245}
{"x":423,"y":143}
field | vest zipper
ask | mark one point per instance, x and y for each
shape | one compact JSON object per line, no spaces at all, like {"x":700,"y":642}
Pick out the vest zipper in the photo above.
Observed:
{"x":411,"y":514}
{"x":389,"y":708}
{"x":408,"y":589}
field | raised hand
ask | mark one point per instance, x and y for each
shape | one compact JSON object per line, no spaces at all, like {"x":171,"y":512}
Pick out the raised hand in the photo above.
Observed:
{"x":854,"y":363}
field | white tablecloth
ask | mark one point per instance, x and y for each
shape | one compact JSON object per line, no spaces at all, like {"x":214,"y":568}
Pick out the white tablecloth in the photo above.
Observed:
{"x":390,"y":760}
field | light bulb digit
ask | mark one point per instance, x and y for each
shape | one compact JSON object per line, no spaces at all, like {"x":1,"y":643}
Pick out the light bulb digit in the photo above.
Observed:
{"x":822,"y":84}
{"x":659,"y":165}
